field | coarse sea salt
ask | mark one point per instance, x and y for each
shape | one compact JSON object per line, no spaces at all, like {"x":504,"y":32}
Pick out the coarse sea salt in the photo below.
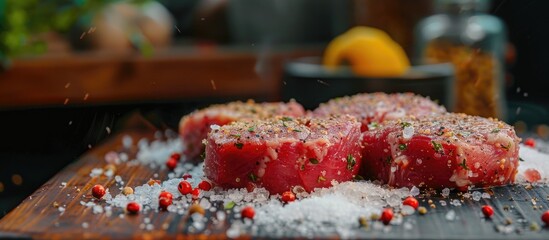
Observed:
{"x":533,"y":159}
{"x":155,"y":153}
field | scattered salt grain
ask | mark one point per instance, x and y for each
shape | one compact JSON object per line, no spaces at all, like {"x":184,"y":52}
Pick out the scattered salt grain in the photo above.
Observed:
{"x":408,"y":226}
{"x":63,"y":184}
{"x":485,"y":195}
{"x":477,"y":196}
{"x":61,"y":209}
{"x":414,"y":191}
{"x":456,"y":203}
{"x":445,"y":192}
{"x":408,"y":132}
{"x":450,"y":215}
{"x":97,"y":209}
{"x":85,"y":225}
{"x":407,"y":210}
{"x":215,"y":127}
{"x":442,"y":203}
{"x":96,"y":172}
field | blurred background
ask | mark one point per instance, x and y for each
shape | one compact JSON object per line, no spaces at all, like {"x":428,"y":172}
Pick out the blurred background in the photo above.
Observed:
{"x":73,"y":72}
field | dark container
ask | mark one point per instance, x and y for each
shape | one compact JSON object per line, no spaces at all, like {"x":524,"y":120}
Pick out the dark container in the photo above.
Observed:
{"x":309,"y":83}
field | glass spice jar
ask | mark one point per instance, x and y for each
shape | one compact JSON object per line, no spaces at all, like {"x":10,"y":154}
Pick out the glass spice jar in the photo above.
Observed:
{"x":474,"y":42}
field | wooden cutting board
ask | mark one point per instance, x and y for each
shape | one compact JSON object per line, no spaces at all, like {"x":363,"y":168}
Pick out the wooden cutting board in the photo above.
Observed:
{"x":36,"y":216}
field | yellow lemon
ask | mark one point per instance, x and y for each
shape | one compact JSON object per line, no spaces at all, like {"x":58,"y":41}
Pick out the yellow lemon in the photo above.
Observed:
{"x":369,"y":51}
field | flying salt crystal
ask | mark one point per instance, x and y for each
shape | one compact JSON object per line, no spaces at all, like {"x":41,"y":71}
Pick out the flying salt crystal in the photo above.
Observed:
{"x":85,"y":225}
{"x":61,"y":209}
{"x":408,"y":132}
{"x":485,"y":195}
{"x":450,"y":215}
{"x":456,"y":203}
{"x":215,"y":127}
{"x":63,"y":184}
{"x":117,"y":178}
{"x":146,"y":220}
{"x":108,"y":129}
{"x":414,"y":191}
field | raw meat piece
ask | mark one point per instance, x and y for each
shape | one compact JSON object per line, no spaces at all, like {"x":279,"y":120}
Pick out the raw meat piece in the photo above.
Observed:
{"x":449,"y":150}
{"x":374,"y":108}
{"x":194,"y":127}
{"x":282,"y":153}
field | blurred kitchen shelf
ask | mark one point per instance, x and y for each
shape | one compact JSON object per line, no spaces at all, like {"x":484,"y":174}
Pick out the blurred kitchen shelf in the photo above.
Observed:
{"x":181,"y":73}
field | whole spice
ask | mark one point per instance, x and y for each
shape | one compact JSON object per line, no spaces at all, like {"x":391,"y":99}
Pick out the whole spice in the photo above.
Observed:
{"x":386,"y":216}
{"x":171,"y":163}
{"x":176,"y":156}
{"x":411,"y":201}
{"x":422,"y":210}
{"x":184,"y":187}
{"x":487,"y":210}
{"x":205,"y":185}
{"x":196,"y":208}
{"x":248,"y":212}
{"x":98,"y":191}
{"x":165,"y":199}
{"x":530,"y":142}
{"x":133,"y":207}
{"x":127,"y":191}
{"x":288,"y":196}
{"x":545,"y":217}
{"x":195,"y":193}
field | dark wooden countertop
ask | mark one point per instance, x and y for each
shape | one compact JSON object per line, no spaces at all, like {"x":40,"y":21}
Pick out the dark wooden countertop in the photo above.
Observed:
{"x":171,"y":74}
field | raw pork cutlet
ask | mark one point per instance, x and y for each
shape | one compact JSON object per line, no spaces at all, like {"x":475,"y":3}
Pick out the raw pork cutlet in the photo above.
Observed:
{"x":450,"y":150}
{"x":282,"y":153}
{"x":374,"y":108}
{"x":194,"y":127}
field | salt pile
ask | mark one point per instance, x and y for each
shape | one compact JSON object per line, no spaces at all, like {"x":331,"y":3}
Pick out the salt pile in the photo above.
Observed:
{"x":533,"y":159}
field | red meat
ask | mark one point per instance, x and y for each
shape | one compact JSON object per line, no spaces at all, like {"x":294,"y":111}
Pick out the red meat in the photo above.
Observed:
{"x":194,"y":127}
{"x":282,"y":153}
{"x":450,"y":150}
{"x":374,"y":108}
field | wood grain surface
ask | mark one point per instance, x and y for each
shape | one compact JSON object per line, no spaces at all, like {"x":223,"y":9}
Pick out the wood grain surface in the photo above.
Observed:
{"x":36,"y":217}
{"x":173,"y":74}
